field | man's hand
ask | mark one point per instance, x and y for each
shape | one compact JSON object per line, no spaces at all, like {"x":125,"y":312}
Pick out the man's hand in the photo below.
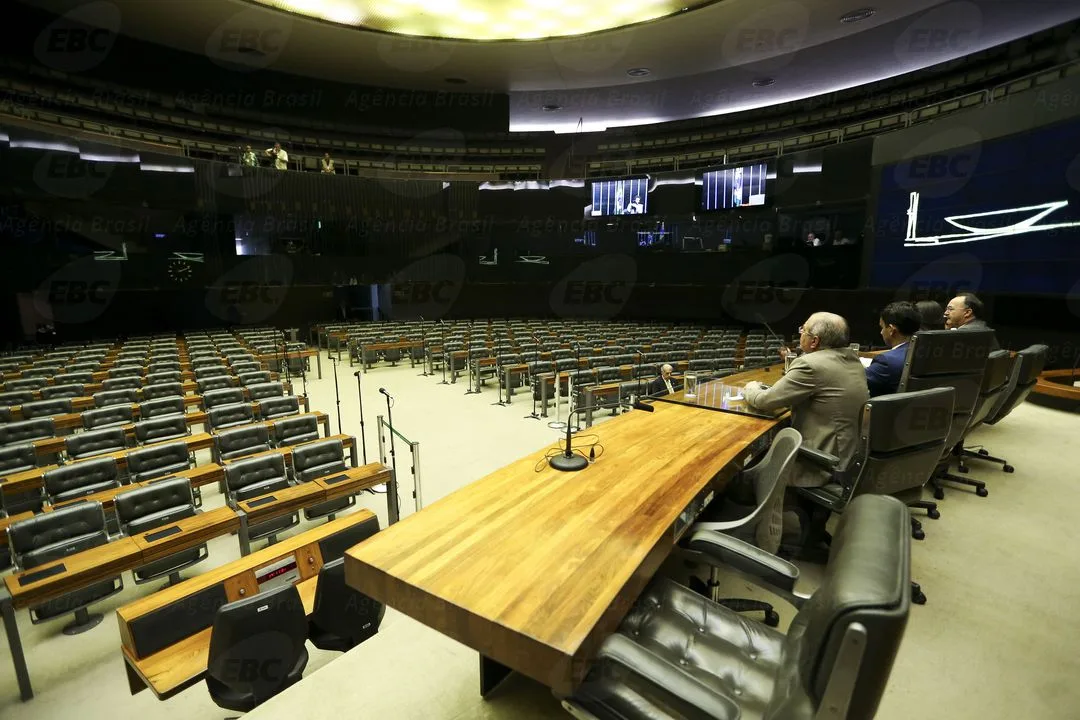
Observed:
{"x":784,"y":352}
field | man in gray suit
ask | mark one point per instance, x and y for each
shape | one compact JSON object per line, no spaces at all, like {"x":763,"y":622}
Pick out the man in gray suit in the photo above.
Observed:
{"x":966,"y":312}
{"x":825,"y":388}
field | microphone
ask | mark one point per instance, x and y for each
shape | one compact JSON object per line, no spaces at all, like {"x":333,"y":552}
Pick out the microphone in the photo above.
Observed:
{"x":357,"y":373}
{"x":771,"y":333}
{"x":383,"y":391}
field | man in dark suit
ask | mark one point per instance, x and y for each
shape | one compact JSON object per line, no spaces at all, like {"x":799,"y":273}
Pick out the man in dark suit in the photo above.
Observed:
{"x":967,"y":312}
{"x":898,"y":321}
{"x":664,"y":384}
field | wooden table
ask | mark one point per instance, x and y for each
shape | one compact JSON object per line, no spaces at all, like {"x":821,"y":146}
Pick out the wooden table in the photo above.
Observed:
{"x":534,"y":569}
{"x":294,"y":355}
{"x":73,"y":420}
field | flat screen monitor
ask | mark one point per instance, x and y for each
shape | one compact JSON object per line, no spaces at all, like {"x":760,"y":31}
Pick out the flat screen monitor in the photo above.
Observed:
{"x":733,"y":187}
{"x":629,"y":196}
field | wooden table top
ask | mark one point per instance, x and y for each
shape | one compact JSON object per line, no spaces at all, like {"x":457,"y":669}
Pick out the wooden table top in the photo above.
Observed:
{"x":80,"y":570}
{"x":534,"y":569}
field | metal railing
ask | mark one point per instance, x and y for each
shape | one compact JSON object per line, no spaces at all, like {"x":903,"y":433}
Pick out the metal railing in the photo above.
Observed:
{"x":384,"y":431}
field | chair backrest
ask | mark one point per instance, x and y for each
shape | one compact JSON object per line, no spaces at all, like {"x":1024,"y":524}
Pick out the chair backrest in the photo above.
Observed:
{"x":16,"y":397}
{"x":210,"y":371}
{"x":254,"y":378}
{"x":169,"y":389}
{"x":1029,"y":363}
{"x":74,"y":378}
{"x":16,"y":458}
{"x":95,"y":442}
{"x":246,"y":366}
{"x":62,"y":532}
{"x":94,"y":474}
{"x":225,"y":416}
{"x":207,"y":361}
{"x":862,"y":604}
{"x":119,"y":373}
{"x":154,"y":505}
{"x":949,"y":358}
{"x":129,"y":383}
{"x":26,"y":430}
{"x":158,"y":460}
{"x":229,"y":444}
{"x":901,"y":439}
{"x":97,"y":418}
{"x":224,"y":396}
{"x":267,"y":631}
{"x":159,"y":429}
{"x":161,"y":406}
{"x":341,"y":609}
{"x":158,"y":366}
{"x":266,"y":390}
{"x":45,"y":408}
{"x":241,"y":474}
{"x":212,"y":384}
{"x":999,"y":364}
{"x":163,"y":377}
{"x":294,"y":430}
{"x":770,"y":478}
{"x":115,"y":397}
{"x":318,"y":459}
{"x":278,"y":406}
{"x":34,"y":377}
{"x":71,"y":390}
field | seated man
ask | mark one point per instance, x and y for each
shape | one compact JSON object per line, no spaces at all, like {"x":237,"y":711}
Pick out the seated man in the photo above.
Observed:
{"x":664,"y":384}
{"x":966,"y":312}
{"x":825,"y":388}
{"x":898,"y":321}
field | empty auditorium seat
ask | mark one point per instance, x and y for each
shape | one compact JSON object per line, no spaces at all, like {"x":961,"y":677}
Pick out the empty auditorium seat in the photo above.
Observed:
{"x":241,"y":441}
{"x":74,"y":378}
{"x":169,"y":389}
{"x":321,"y":459}
{"x":129,"y":383}
{"x":16,"y":397}
{"x":95,"y":442}
{"x":211,"y":371}
{"x":45,"y":408}
{"x":254,"y":378}
{"x":219,"y":382}
{"x":158,"y":366}
{"x":251,"y":477}
{"x":240,"y":368}
{"x":115,"y":397}
{"x":159,"y":460}
{"x":97,"y":418}
{"x":17,"y":458}
{"x":159,"y":406}
{"x":261,"y":391}
{"x":295,"y":430}
{"x":162,"y":377}
{"x":23,"y":431}
{"x":118,"y":373}
{"x":160,"y":429}
{"x":230,"y":415}
{"x":223,"y":396}
{"x":80,"y":479}
{"x":26,"y":383}
{"x":276,"y":407}
{"x":156,"y":505}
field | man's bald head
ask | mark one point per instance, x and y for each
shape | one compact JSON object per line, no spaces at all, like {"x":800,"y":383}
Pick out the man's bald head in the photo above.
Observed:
{"x":830,"y":329}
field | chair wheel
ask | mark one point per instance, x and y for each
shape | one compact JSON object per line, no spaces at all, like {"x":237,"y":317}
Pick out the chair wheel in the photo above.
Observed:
{"x":918,"y":534}
{"x":1009,"y":469}
{"x":983,"y":452}
{"x":933,"y":513}
{"x":919,"y":598}
{"x":939,"y":494}
{"x":982,"y":492}
{"x":963,"y":468}
{"x":772,"y":618}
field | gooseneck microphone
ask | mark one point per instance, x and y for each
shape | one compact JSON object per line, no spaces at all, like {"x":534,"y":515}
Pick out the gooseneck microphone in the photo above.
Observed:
{"x":388,"y":395}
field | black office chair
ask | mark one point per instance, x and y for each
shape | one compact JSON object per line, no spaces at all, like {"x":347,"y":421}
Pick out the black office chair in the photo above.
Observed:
{"x":157,"y":505}
{"x":321,"y":459}
{"x":295,"y":430}
{"x":161,"y":407}
{"x":13,"y":459}
{"x":162,"y":366}
{"x":679,"y":655}
{"x":95,"y":442}
{"x":54,"y":535}
{"x":16,"y":397}
{"x":160,"y":429}
{"x":111,"y":416}
{"x":72,"y":390}
{"x":251,"y":477}
{"x":224,"y":396}
{"x":23,"y":431}
{"x":343,"y":617}
{"x":276,"y":407}
{"x":26,"y":383}
{"x":948,"y":358}
{"x":261,"y":391}
{"x":227,"y":416}
{"x":125,"y":383}
{"x":164,"y":376}
{"x":155,"y":461}
{"x":76,"y":480}
{"x":115,"y":397}
{"x":46,"y":408}
{"x":254,"y":378}
{"x":256,"y":648}
{"x":1027,"y":365}
{"x":211,"y":371}
{"x":241,"y":441}
{"x":210,"y":384}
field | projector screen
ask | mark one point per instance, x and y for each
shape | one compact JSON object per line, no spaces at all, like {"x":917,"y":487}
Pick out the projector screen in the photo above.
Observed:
{"x":629,"y":196}
{"x":733,"y":187}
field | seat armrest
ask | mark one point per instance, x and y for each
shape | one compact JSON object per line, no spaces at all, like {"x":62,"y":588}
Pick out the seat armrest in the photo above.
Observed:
{"x":722,"y":549}
{"x":667,"y":677}
{"x":822,"y":459}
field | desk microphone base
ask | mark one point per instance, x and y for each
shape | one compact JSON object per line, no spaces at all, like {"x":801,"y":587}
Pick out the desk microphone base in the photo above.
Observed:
{"x":573,"y":463}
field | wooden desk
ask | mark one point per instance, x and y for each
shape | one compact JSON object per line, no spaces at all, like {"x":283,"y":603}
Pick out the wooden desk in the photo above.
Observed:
{"x":183,"y":663}
{"x":73,"y":420}
{"x":293,"y":355}
{"x":534,"y":569}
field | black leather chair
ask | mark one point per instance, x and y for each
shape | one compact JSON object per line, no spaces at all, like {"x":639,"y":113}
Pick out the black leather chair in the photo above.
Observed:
{"x":26,"y":383}
{"x":160,"y":429}
{"x":162,"y":406}
{"x":211,"y":371}
{"x":251,"y":477}
{"x":210,"y":384}
{"x":23,"y":431}
{"x":127,"y":383}
{"x":276,"y":407}
{"x":321,"y":459}
{"x":54,"y":535}
{"x":343,"y":616}
{"x":16,"y":397}
{"x":243,"y":367}
{"x":155,"y":461}
{"x":106,"y":398}
{"x":265,"y":631}
{"x":295,"y":430}
{"x":224,"y":396}
{"x":83,"y":369}
{"x":157,"y":505}
{"x":947,"y":358}
{"x":36,"y":372}
{"x":261,"y":391}
{"x":46,"y":408}
{"x":161,"y":390}
{"x":95,"y":442}
{"x":17,"y":458}
{"x":160,"y":366}
{"x":111,"y":416}
{"x":119,"y":373}
{"x":13,"y":459}
{"x":76,"y":480}
{"x":1024,"y":373}
{"x":206,"y":361}
{"x":227,"y":416}
{"x":254,"y":378}
{"x":241,"y":441}
{"x":162,"y":377}
{"x":71,"y":390}
{"x":679,"y":655}
{"x":73,"y":378}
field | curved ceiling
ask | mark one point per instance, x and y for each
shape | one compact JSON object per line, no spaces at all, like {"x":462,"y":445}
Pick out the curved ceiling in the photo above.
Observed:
{"x":723,"y":57}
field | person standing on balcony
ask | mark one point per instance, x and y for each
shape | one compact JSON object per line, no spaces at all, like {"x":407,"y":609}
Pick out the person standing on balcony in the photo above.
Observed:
{"x":281,"y":157}
{"x":248,"y":157}
{"x":327,"y":164}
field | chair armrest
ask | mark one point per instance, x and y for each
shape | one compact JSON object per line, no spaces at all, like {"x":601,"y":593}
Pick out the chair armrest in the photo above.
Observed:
{"x":667,"y":677}
{"x":724,"y":549}
{"x":823,"y":460}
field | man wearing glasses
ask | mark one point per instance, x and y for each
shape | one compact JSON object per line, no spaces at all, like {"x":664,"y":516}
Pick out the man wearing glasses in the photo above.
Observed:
{"x":825,"y":388}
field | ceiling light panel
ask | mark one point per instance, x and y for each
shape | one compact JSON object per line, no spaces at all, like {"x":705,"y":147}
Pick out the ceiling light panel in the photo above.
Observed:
{"x":486,"y":19}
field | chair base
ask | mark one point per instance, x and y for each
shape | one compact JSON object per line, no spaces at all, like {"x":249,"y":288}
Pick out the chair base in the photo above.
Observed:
{"x":917,"y":595}
{"x":979,"y":485}
{"x":83,"y":621}
{"x":982,"y":454}
{"x":916,"y":530}
{"x":927,"y":505}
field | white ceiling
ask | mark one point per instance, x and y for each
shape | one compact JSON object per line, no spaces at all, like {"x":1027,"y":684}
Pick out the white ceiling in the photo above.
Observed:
{"x":702,"y":62}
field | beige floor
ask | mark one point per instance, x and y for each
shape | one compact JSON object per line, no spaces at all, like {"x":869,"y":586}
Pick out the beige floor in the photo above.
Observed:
{"x":997,"y":638}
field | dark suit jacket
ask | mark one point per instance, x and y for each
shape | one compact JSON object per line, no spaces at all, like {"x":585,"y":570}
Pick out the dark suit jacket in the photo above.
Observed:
{"x":981,"y":325}
{"x":883,"y":374}
{"x":657,"y":386}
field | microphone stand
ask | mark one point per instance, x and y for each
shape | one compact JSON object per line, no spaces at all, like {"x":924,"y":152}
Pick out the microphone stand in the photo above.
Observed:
{"x":337,"y":395}
{"x":360,"y":397}
{"x":288,"y":371}
{"x":423,"y":345}
{"x":470,"y":366}
{"x":568,"y":461}
{"x":396,"y":501}
{"x":534,"y":415}
{"x":445,"y":355}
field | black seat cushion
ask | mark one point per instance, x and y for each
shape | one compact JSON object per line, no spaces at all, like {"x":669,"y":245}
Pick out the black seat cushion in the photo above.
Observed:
{"x":154,"y":505}
{"x":16,"y":458}
{"x":160,"y":429}
{"x":242,"y":441}
{"x":96,"y":442}
{"x":158,"y":460}
{"x":26,"y":430}
{"x":115,"y":397}
{"x":82,"y":478}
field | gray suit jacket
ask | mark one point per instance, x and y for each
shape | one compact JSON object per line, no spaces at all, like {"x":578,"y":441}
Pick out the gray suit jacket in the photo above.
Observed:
{"x":826,"y":391}
{"x":981,"y":325}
